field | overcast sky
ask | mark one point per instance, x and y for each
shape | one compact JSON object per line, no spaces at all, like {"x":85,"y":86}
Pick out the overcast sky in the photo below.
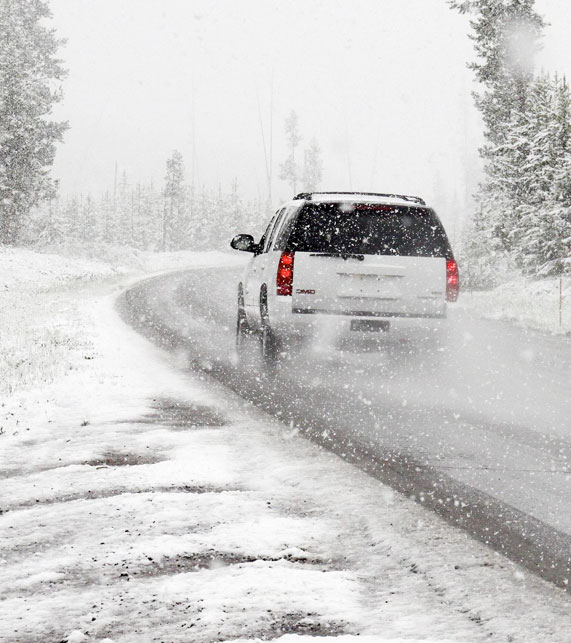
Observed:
{"x":381,"y":84}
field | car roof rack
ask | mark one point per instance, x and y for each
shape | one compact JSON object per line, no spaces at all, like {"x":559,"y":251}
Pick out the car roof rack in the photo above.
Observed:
{"x":308,"y":196}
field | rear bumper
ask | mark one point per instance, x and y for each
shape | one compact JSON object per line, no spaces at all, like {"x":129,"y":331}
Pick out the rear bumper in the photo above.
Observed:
{"x":371,"y":314}
{"x":314,"y":324}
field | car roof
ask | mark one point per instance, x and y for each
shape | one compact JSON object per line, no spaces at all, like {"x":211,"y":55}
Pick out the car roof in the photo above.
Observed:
{"x":359,"y":197}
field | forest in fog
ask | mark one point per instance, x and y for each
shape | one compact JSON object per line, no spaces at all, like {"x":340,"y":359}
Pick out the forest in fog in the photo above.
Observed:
{"x":519,"y":219}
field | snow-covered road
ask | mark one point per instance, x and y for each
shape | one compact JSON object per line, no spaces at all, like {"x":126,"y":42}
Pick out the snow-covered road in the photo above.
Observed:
{"x":141,"y":501}
{"x":477,"y":430}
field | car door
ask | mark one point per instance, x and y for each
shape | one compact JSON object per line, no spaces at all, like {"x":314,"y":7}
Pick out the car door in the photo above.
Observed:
{"x":257,"y":268}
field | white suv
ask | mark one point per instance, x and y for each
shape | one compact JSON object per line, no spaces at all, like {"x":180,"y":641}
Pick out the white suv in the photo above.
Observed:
{"x":347,"y":264}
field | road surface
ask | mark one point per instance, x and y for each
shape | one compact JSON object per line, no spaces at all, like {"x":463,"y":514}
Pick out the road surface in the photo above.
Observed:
{"x":478,"y":429}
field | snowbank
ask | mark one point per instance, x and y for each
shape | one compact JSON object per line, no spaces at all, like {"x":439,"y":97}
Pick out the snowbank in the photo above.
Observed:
{"x":126,"y":258}
{"x":41,"y":294}
{"x":540,"y":305}
{"x":40,"y":337}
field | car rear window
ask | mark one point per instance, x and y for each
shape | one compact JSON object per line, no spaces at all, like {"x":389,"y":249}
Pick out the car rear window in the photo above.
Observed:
{"x":368,"y":228}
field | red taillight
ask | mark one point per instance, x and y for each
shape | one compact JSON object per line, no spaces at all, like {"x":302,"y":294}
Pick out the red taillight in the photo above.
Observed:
{"x":452,"y":280}
{"x":284,"y":279}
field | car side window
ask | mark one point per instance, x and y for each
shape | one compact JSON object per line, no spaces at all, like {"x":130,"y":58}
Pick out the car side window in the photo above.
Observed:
{"x":264,"y":238}
{"x":270,"y":232}
{"x":282,"y":235}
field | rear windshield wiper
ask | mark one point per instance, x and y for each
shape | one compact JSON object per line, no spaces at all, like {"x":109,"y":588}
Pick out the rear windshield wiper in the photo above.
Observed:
{"x":343,"y":255}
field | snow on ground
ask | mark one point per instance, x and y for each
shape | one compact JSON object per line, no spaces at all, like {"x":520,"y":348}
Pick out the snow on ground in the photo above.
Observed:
{"x":140,"y":502}
{"x":41,"y":330}
{"x":543,"y":305}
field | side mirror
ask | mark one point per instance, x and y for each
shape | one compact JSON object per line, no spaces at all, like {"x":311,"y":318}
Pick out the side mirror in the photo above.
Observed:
{"x":244,"y":242}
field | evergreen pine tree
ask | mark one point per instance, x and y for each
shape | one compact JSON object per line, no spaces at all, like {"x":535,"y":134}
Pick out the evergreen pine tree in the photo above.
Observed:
{"x":122,"y":228}
{"x":175,"y":210}
{"x":89,"y":227}
{"x":106,"y":210}
{"x":30,"y":76}
{"x":506,"y":35}
{"x":554,"y":231}
{"x":312,"y":167}
{"x":289,"y":170}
